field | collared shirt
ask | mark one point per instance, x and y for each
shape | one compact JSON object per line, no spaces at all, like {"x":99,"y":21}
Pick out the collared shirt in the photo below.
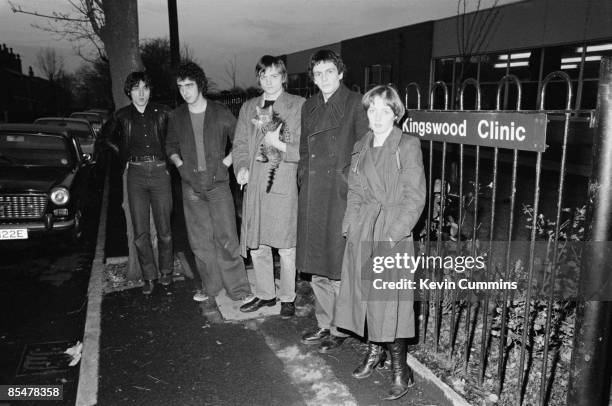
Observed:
{"x":197,"y":123}
{"x":143,"y":141}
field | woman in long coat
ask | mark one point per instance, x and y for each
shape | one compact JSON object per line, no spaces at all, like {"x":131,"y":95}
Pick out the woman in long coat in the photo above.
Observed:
{"x":269,"y":215}
{"x":385,"y":199}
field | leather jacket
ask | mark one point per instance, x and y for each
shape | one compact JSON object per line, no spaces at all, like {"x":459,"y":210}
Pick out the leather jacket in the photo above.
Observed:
{"x":118,"y":130}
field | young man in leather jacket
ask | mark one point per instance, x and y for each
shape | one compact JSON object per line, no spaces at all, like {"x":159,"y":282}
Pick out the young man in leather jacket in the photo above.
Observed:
{"x":137,"y":132}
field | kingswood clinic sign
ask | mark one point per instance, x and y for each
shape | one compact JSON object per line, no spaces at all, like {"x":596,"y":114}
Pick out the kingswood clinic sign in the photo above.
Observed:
{"x":514,"y":130}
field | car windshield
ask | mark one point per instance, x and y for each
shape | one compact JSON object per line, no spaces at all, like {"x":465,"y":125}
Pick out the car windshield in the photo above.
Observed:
{"x":35,"y":150}
{"x":92,"y":118}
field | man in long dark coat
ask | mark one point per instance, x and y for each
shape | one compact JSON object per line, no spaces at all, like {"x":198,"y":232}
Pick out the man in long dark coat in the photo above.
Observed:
{"x":332,"y":120}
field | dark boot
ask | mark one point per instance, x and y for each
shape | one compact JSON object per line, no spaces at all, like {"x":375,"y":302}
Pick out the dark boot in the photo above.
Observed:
{"x":402,"y":374}
{"x":375,"y":356}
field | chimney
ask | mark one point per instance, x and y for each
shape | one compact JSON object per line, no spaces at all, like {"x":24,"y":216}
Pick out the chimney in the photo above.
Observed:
{"x":30,"y":72}
{"x":3,"y":56}
{"x":18,"y":64}
{"x":11,"y":62}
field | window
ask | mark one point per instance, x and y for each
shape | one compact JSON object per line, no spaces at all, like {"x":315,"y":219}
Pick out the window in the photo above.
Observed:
{"x":377,"y":75}
{"x":580,"y":61}
{"x":493,"y":67}
{"x":592,"y":58}
{"x":444,"y":69}
{"x":300,"y":84}
{"x":563,"y":58}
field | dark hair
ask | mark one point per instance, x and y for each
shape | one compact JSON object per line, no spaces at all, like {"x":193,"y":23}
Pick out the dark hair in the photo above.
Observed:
{"x":133,"y":79}
{"x":326,"y":55}
{"x":192,"y":71}
{"x":389,"y":96}
{"x":269,"y":61}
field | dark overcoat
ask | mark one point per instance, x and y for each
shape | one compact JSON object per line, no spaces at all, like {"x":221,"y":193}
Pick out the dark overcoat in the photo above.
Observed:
{"x":381,"y":212}
{"x":329,"y":131}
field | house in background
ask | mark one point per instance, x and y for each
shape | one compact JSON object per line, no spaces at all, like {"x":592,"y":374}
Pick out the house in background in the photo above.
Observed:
{"x":25,"y":97}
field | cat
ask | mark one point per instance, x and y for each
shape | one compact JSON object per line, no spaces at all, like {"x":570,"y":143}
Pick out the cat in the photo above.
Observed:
{"x":267,"y":120}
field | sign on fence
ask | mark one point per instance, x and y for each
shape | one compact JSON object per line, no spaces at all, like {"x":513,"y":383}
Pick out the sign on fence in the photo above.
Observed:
{"x":524,"y":131}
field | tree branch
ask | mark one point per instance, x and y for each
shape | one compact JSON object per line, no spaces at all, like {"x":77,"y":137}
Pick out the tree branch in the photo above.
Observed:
{"x":84,"y":23}
{"x":473,"y":23}
{"x":54,"y":16}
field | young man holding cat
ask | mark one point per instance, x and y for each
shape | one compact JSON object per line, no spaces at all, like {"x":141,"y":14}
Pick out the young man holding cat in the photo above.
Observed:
{"x":269,"y":207}
{"x":332,"y":120}
{"x":198,"y":132}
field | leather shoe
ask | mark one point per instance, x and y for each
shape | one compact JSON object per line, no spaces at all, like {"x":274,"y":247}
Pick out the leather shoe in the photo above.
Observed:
{"x":331,"y":344}
{"x":316,"y":336}
{"x":257,"y":304}
{"x":148,"y":287}
{"x":166,"y":279}
{"x":287,"y":310}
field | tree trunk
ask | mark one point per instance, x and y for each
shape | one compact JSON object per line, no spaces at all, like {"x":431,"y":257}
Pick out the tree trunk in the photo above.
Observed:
{"x":121,"y":40}
{"x":121,"y":44}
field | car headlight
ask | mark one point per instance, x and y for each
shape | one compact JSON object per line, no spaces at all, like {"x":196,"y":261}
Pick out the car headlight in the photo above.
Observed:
{"x":60,"y":195}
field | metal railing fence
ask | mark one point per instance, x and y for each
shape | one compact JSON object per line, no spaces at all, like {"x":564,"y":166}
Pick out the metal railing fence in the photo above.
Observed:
{"x":516,"y":324}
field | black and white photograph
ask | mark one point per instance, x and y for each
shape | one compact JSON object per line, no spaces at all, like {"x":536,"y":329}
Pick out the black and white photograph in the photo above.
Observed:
{"x":306,"y":202}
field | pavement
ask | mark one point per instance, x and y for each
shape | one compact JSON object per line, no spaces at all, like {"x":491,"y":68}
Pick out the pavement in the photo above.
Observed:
{"x":166,"y":349}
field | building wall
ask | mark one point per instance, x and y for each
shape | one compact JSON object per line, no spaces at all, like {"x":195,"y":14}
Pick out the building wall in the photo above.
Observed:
{"x":297,"y":62}
{"x":533,"y":23}
{"x":406,"y":49}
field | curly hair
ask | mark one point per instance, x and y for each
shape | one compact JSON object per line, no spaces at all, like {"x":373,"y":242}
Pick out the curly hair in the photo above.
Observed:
{"x":133,"y":79}
{"x":326,"y":55}
{"x":194,"y":72}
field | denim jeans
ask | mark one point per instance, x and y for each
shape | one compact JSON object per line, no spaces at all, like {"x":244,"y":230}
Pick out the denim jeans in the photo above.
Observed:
{"x":211,"y":228}
{"x":149,"y":191}
{"x":134,"y":271}
{"x":264,"y":273}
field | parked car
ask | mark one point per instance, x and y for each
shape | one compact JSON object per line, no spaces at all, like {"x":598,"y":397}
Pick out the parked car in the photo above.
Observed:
{"x":79,"y":127}
{"x":94,"y":118}
{"x":44,"y":182}
{"x":104,"y":114}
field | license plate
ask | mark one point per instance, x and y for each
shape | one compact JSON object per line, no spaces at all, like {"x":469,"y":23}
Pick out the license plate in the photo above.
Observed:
{"x":14,"y":234}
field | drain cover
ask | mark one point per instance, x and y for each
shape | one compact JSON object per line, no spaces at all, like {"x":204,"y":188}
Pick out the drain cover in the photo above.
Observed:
{"x":44,"y":358}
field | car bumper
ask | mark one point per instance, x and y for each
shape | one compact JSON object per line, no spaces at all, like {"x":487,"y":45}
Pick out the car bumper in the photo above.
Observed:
{"x":39,"y":226}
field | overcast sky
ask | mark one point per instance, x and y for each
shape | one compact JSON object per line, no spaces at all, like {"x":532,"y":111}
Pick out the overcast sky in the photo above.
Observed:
{"x":216,"y":30}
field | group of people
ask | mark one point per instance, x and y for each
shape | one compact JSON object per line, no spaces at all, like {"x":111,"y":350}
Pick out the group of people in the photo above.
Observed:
{"x":329,"y":182}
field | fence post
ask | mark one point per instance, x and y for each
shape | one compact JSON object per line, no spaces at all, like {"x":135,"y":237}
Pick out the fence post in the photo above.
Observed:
{"x":589,"y":383}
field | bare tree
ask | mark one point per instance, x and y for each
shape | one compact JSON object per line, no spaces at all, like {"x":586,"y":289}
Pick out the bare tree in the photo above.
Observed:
{"x":50,"y":64}
{"x":473,"y":29}
{"x":110,"y":26}
{"x":230,"y":71}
